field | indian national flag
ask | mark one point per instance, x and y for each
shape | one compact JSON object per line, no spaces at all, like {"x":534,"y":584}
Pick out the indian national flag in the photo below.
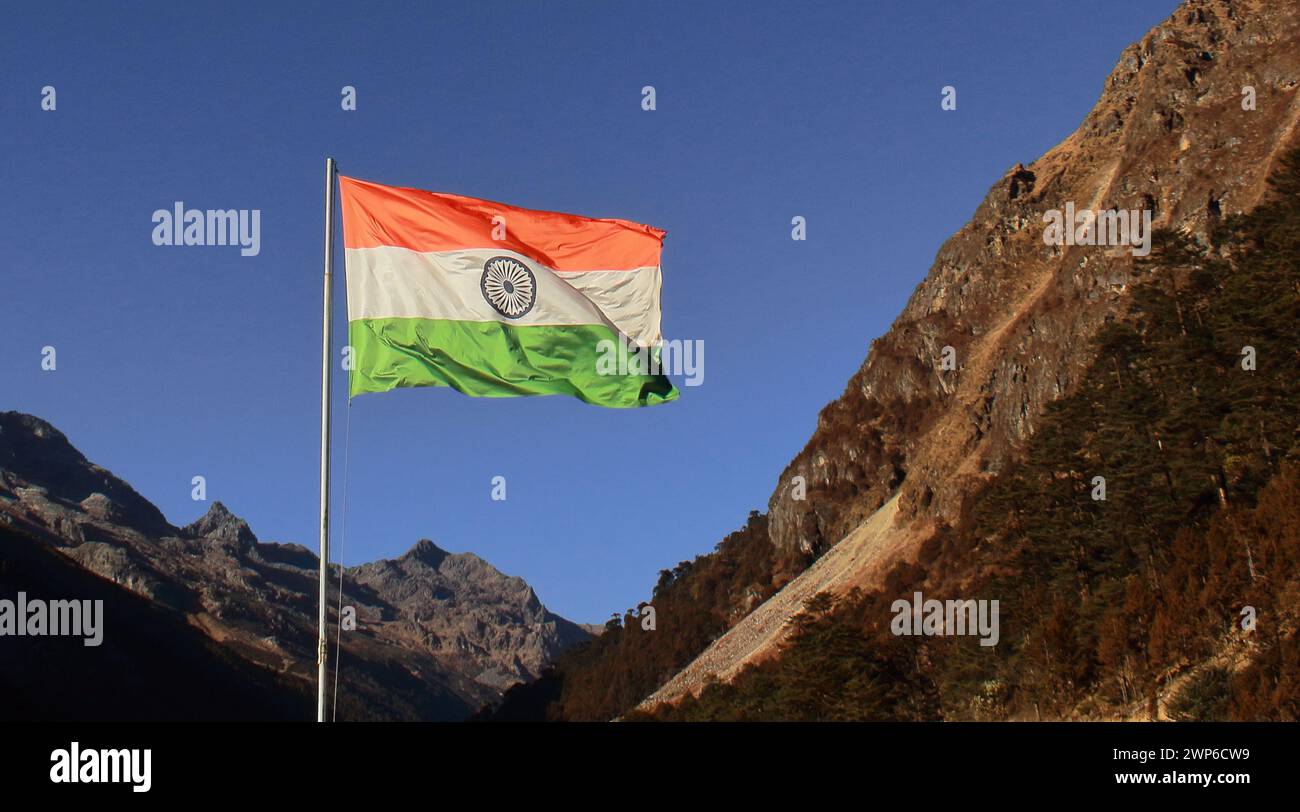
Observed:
{"x":497,"y":301}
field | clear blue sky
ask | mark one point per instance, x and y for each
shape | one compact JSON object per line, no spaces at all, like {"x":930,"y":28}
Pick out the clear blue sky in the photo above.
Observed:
{"x":176,"y":362}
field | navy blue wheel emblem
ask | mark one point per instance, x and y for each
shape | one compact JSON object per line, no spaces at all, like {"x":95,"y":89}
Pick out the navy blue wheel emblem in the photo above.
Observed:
{"x":509,"y":286}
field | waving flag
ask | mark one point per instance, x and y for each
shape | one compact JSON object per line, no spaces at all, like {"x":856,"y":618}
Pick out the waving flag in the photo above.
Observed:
{"x":497,"y":301}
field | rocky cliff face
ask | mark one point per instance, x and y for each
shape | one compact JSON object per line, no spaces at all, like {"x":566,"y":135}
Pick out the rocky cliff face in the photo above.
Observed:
{"x":1168,"y":135}
{"x":437,"y":634}
{"x":465,"y":611}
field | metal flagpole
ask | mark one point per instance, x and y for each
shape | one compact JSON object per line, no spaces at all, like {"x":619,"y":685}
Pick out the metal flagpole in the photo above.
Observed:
{"x":325,"y":362}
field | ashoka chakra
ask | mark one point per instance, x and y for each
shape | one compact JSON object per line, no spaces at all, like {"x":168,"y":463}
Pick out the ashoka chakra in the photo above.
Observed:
{"x":509,"y":286}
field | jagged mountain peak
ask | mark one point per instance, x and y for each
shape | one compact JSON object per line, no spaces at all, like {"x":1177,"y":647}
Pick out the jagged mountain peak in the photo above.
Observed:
{"x":461,"y":568}
{"x":220,"y":523}
{"x":469,"y":609}
{"x":426,"y":552}
{"x":428,"y":564}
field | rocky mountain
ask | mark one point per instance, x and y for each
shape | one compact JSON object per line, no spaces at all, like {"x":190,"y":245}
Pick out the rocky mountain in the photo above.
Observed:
{"x":1168,"y":134}
{"x":437,"y":634}
{"x":1190,"y":124}
{"x":490,"y":625}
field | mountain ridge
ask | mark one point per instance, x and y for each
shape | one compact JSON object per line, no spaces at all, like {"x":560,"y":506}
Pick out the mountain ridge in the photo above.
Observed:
{"x":437,"y":641}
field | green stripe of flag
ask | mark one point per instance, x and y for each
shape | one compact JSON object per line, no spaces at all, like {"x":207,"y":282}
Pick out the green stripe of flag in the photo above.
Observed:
{"x":493,"y":359}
